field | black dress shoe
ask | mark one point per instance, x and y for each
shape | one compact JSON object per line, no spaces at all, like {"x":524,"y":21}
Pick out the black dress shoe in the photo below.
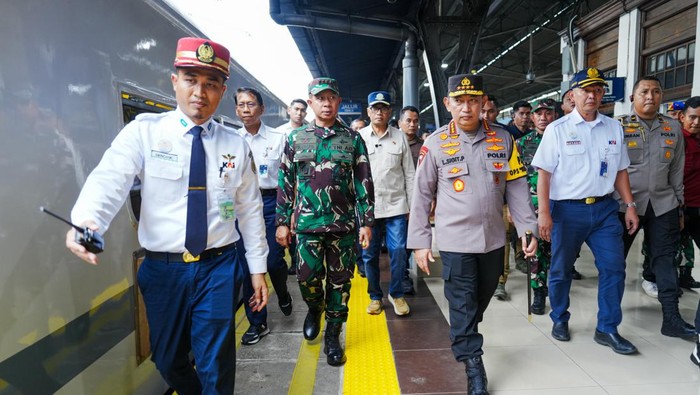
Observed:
{"x":560,"y":331}
{"x":613,"y":340}
{"x":575,"y":274}
{"x":312,"y":323}
{"x":286,"y":304}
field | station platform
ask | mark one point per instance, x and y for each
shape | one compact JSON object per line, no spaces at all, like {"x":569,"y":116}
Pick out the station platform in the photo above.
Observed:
{"x":388,"y":354}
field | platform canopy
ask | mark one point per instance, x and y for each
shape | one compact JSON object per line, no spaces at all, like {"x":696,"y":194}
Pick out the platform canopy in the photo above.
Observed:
{"x":362,"y":42}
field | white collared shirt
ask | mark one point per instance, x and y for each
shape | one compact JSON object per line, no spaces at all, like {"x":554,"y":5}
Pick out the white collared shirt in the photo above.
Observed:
{"x":267,"y":146}
{"x":574,"y":150}
{"x":392,"y":167}
{"x":288,"y":127}
{"x":157,"y":148}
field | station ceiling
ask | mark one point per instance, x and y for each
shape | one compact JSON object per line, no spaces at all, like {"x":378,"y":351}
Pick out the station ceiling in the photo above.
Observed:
{"x":361,"y":43}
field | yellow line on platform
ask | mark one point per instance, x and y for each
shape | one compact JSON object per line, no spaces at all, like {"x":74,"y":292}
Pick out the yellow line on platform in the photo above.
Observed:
{"x":370,"y":368}
{"x":304,"y":375}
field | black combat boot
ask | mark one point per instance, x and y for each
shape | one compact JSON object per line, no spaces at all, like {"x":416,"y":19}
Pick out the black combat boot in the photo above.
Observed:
{"x":673,"y":324}
{"x":539,"y":300}
{"x":686,"y":280}
{"x":335,"y":355}
{"x":477,"y":382}
{"x":695,"y":356}
{"x":312,"y":323}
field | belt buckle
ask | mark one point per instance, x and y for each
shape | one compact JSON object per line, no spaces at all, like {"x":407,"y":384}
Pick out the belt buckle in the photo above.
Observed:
{"x":189,"y":258}
{"x":590,"y":200}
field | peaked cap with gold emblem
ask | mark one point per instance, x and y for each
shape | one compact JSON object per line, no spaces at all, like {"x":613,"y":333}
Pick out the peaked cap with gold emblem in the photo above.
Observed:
{"x":465,"y":84}
{"x":203,"y":53}
{"x":587,"y":77}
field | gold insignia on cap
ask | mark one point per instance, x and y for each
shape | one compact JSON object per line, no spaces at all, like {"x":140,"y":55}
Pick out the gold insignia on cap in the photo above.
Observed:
{"x":205,"y":53}
{"x":465,"y":81}
{"x":593,"y":73}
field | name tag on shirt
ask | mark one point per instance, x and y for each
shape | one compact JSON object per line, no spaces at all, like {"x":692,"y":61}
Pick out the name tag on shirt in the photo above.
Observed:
{"x":164,"y":156}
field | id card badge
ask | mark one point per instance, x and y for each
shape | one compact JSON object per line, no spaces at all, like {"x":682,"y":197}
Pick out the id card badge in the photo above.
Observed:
{"x":604,"y":168}
{"x":262,"y":170}
{"x":226,"y":210}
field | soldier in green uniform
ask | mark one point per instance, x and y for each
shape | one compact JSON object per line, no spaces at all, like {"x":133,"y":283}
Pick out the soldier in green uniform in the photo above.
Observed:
{"x":324,"y":177}
{"x":542,"y":116}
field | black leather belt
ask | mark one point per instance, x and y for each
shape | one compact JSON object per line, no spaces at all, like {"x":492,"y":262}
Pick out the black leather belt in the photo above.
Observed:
{"x":268,"y":192}
{"x":588,"y":200}
{"x":186,"y":257}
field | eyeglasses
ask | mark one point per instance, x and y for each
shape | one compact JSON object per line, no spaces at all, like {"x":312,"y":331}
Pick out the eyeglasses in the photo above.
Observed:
{"x":249,"y":104}
{"x":380,"y":109}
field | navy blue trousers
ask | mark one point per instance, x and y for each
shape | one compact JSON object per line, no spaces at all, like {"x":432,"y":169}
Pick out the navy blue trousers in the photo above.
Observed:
{"x":190,"y":307}
{"x":276,"y":266}
{"x":598,"y":226}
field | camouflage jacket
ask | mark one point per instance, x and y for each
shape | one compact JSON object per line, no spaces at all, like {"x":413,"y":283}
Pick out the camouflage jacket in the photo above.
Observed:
{"x":324,"y":178}
{"x":527,"y":145}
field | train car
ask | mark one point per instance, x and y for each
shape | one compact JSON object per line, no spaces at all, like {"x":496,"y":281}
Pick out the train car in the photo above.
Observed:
{"x":72,"y":74}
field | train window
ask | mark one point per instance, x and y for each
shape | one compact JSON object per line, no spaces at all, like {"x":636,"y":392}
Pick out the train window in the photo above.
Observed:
{"x":133,"y":105}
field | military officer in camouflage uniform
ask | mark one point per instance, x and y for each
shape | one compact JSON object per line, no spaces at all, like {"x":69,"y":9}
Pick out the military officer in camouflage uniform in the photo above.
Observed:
{"x":542,"y":116}
{"x":469,"y":166}
{"x":656,"y":149}
{"x":324,"y":177}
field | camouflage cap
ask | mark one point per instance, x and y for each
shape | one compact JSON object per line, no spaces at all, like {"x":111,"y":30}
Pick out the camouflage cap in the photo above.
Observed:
{"x":544,"y":104}
{"x":318,"y":85}
{"x":465,"y":84}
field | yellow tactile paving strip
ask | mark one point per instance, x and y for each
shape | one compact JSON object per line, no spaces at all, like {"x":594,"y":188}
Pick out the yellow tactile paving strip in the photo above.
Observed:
{"x":304,"y":375}
{"x":370,"y":368}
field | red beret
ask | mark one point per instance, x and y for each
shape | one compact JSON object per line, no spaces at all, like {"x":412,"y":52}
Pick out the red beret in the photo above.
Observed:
{"x":200,"y":52}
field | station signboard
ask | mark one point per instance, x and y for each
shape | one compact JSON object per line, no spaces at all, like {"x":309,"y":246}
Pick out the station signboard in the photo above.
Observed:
{"x":350,"y":108}
{"x":615,"y":91}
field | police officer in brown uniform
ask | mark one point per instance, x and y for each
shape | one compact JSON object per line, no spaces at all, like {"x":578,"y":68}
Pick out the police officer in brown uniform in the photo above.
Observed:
{"x":469,"y":166}
{"x":656,"y":149}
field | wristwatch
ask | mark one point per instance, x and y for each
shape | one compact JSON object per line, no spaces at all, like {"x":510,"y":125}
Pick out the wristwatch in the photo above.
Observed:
{"x":631,"y":204}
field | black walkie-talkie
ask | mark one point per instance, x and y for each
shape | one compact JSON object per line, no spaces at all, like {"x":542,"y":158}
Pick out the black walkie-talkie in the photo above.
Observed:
{"x":86,"y":237}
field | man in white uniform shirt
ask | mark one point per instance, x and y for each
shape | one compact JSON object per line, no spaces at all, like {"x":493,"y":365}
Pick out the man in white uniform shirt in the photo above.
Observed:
{"x":297,"y":113}
{"x":581,"y":161}
{"x":191,"y":276}
{"x":266,"y":145}
{"x":392,"y":172}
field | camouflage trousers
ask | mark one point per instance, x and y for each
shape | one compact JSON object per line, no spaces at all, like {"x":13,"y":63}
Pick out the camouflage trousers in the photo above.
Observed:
{"x":330,"y":257}
{"x":540,"y":266}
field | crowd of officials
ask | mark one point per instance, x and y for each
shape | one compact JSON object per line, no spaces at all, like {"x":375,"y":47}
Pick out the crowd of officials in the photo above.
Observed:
{"x":219,"y":206}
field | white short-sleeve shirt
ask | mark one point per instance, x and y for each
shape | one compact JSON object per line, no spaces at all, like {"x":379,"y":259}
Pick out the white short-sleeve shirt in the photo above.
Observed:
{"x":583,"y":157}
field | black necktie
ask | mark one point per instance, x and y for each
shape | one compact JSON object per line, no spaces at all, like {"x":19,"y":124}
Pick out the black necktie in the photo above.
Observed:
{"x":196,"y":232}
